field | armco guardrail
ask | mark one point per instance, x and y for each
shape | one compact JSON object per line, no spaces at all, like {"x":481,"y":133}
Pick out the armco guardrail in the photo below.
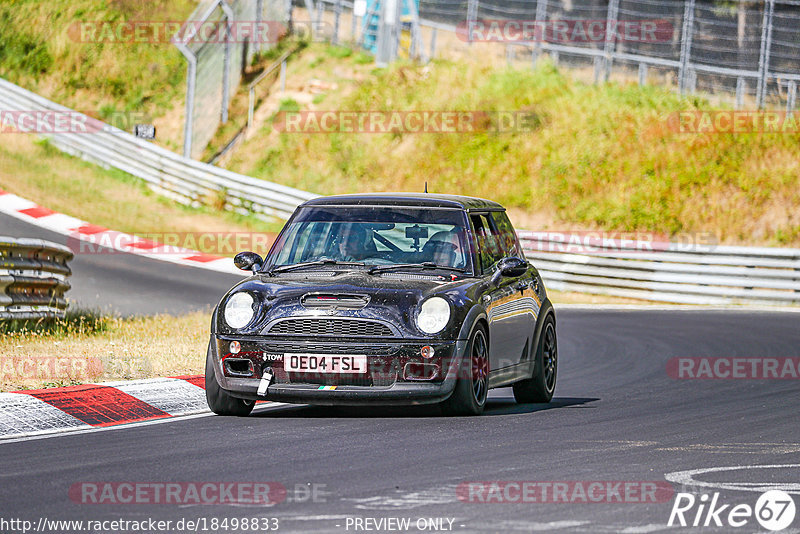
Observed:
{"x":183,"y":179}
{"x":33,"y":278}
{"x":667,"y":272}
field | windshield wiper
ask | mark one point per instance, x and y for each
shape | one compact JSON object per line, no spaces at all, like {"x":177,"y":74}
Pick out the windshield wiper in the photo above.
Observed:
{"x":423,"y":265}
{"x":285,"y":268}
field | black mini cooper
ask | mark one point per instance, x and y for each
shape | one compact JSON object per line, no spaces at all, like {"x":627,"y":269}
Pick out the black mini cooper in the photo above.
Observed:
{"x":385,"y":299}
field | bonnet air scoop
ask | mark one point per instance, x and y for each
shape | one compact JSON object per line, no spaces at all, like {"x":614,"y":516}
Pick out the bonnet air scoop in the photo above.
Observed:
{"x":334,"y":301}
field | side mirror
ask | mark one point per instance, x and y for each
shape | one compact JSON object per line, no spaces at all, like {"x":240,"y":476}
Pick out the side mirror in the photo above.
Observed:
{"x":512,"y":267}
{"x":248,"y":261}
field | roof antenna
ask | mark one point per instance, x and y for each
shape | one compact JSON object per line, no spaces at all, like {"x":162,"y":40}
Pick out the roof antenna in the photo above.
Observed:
{"x":426,"y":186}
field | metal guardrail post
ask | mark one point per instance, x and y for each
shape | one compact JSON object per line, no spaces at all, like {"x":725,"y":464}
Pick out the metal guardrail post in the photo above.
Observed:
{"x":311,"y":9}
{"x":599,"y":69}
{"x":191,"y":88}
{"x":791,"y":97}
{"x":337,"y":11}
{"x":251,"y":105}
{"x":611,"y":43}
{"x":259,"y":21}
{"x":287,"y":7}
{"x":472,"y":17}
{"x":432,"y":53}
{"x":687,"y":34}
{"x":642,"y":73}
{"x":226,"y":75}
{"x":541,"y":18}
{"x":388,"y":32}
{"x":318,"y":18}
{"x":353,"y":26}
{"x":740,"y":89}
{"x":416,"y":34}
{"x":764,"y":54}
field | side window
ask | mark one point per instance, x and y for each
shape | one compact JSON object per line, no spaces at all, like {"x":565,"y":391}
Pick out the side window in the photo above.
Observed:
{"x":507,"y":237}
{"x":489,"y":251}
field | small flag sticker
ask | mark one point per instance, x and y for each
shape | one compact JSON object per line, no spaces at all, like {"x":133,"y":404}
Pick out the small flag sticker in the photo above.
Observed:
{"x":327,"y":388}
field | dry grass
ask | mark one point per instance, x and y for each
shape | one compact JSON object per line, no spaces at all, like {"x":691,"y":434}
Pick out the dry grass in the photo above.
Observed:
{"x":42,"y":50}
{"x":602,"y":158}
{"x":109,"y":198}
{"x":141,"y":347}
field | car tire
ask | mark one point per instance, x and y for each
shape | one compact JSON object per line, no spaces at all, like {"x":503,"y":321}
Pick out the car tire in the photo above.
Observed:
{"x":469,"y":395}
{"x":541,"y":386}
{"x":219,"y":401}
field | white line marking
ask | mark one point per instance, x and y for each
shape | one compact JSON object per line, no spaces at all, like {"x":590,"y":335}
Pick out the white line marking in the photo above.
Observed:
{"x":66,"y":432}
{"x":406,"y":500}
{"x":644,"y":529}
{"x":686,"y":478}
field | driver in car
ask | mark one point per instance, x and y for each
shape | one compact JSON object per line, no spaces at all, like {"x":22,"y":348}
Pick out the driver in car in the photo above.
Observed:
{"x":352,"y":244}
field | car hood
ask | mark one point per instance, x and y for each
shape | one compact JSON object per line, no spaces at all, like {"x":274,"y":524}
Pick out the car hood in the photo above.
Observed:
{"x":392,"y":298}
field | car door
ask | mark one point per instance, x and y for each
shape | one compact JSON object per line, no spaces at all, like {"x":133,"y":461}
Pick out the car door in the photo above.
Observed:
{"x":525,"y":303}
{"x":506,"y":341}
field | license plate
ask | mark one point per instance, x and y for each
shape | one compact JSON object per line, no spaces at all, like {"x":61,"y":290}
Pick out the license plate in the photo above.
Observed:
{"x":325,"y":363}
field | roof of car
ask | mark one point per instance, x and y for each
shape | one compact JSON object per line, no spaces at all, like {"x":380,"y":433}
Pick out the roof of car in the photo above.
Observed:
{"x":428,"y":200}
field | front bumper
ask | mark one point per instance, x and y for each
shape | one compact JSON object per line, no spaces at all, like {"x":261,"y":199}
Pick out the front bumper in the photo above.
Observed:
{"x":389,"y":381}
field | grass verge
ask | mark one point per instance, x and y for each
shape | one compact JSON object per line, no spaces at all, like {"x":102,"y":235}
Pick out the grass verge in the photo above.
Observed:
{"x":35,"y":170}
{"x":87,"y":347}
{"x":58,"y":49}
{"x":600,"y":157}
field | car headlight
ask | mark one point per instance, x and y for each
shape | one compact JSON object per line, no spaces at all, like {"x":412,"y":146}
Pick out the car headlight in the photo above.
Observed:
{"x":433,"y":315}
{"x":239,"y":310}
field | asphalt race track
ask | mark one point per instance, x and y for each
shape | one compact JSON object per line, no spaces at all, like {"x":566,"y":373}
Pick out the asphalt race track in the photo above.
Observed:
{"x":617,"y":416}
{"x":128,"y":284}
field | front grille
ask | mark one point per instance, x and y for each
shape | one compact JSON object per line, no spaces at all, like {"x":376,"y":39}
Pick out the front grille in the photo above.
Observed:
{"x":330,"y":327}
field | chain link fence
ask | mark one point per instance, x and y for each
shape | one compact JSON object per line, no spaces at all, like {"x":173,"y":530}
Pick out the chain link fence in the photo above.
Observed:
{"x":747,"y":51}
{"x":219,"y":40}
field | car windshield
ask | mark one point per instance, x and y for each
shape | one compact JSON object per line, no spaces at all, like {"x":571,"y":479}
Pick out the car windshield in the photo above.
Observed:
{"x":374,"y":236}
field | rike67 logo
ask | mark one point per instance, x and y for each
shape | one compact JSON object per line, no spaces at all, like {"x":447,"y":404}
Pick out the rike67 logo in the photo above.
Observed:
{"x":774,"y":510}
